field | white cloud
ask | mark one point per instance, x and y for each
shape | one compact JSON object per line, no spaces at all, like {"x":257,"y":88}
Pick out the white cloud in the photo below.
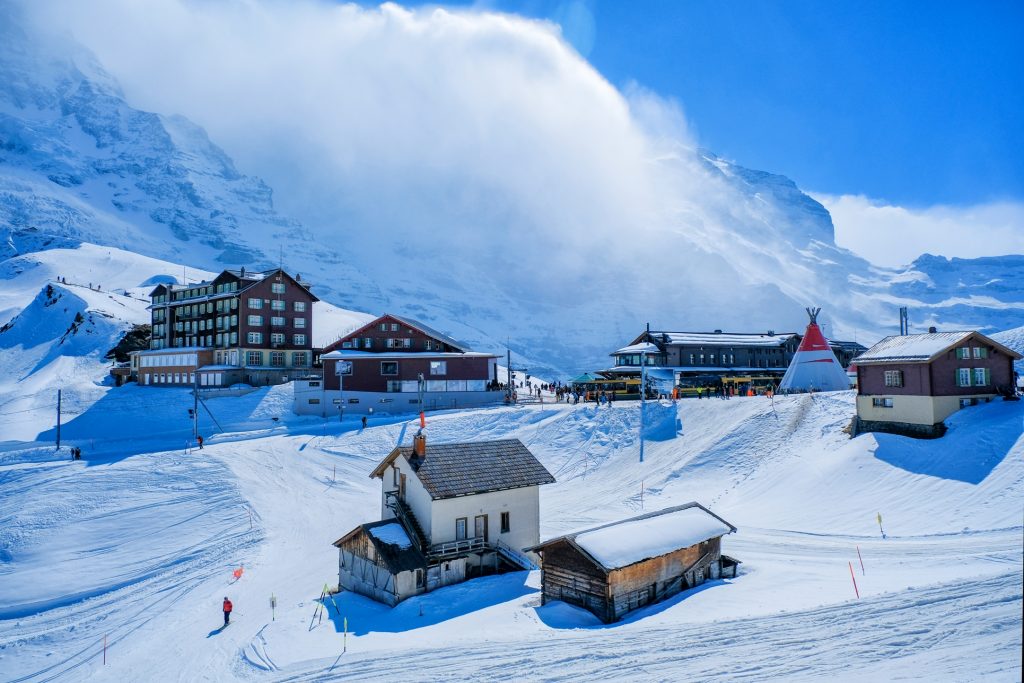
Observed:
{"x":893,"y":235}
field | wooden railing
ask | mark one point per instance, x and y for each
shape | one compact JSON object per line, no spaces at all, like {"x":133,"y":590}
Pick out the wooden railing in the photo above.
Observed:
{"x":463,"y":545}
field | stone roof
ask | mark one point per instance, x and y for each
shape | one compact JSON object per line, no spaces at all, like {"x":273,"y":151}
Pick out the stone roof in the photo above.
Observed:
{"x":465,"y":469}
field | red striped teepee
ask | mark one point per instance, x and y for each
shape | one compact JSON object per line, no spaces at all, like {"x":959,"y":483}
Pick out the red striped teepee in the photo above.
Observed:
{"x":814,"y":367}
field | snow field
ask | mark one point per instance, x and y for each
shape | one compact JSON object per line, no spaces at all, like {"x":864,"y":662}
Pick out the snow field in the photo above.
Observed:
{"x":940,"y":597}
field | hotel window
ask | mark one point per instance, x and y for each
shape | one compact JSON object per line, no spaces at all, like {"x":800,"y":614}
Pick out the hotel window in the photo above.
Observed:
{"x":354,"y":343}
{"x":299,"y":339}
{"x":255,"y":320}
{"x":691,"y":359}
{"x":394,"y":386}
{"x":255,"y":303}
{"x":394,"y":327}
{"x":254,"y":338}
{"x":979,"y":352}
{"x":389,"y":343}
{"x":254,"y":358}
{"x":234,"y":337}
{"x":277,"y":359}
{"x":300,"y":306}
{"x":383,"y":327}
{"x":702,"y":359}
{"x":276,"y":338}
{"x":712,"y":356}
{"x":894,"y":378}
{"x":407,"y":343}
{"x":389,"y":367}
{"x":427,"y":345}
{"x":300,"y":323}
{"x":438,"y":367}
{"x":963,"y":377}
{"x":981,"y":376}
{"x":277,"y":287}
{"x":234,"y":320}
{"x":505,"y":526}
{"x":278,"y":305}
{"x":278,"y":321}
{"x":881,"y":402}
{"x":234,"y":302}
{"x":367,"y":342}
{"x":299,"y":359}
{"x":963,"y":352}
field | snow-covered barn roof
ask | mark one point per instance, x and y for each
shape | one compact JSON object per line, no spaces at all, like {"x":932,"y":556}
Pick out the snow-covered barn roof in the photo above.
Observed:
{"x":392,"y":544}
{"x":463,"y":469}
{"x":921,"y":348}
{"x":628,"y":541}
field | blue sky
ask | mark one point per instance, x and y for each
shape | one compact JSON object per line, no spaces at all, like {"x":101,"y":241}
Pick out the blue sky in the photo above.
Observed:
{"x":912,"y":103}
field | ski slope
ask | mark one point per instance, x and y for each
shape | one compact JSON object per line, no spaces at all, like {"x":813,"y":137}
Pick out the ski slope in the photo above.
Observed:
{"x":138,"y":542}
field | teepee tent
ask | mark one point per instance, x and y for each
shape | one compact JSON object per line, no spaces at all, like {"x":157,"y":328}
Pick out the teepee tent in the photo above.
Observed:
{"x":814,"y":367}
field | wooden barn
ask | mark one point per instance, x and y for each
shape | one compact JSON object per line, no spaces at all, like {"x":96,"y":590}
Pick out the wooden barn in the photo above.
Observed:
{"x":614,"y":569}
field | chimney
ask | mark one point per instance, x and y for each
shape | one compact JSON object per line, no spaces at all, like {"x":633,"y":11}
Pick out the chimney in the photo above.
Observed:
{"x":243,"y":271}
{"x":419,"y":445}
{"x":932,"y":330}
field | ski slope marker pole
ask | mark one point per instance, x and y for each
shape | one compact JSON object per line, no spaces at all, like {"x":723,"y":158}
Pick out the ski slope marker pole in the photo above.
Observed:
{"x":344,"y":641}
{"x":880,"y":529}
{"x":104,"y":649}
{"x":854,"y":579}
{"x":861,"y":561}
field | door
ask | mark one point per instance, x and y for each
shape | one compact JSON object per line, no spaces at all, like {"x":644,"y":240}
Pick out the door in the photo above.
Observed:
{"x":401,"y":487}
{"x":460,"y":529}
{"x":480,"y":527}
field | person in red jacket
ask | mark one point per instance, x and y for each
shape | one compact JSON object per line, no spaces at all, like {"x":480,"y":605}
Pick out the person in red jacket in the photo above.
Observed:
{"x":227,"y":611}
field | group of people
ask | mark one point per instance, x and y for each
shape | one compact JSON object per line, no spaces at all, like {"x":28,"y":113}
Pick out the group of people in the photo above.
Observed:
{"x":76,"y":453}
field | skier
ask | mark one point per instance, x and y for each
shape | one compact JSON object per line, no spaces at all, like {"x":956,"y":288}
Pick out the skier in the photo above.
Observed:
{"x":227,"y":611}
{"x":364,"y":422}
{"x":200,"y":440}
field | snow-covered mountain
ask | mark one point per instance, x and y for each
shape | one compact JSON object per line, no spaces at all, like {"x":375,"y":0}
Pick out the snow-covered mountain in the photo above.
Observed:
{"x":79,"y":163}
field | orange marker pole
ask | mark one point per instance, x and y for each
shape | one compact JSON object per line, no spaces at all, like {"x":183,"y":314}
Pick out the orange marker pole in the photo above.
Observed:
{"x":423,"y":420}
{"x":854,"y":579}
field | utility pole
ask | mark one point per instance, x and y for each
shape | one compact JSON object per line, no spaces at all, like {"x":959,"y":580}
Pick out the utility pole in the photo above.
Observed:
{"x":643,"y":398}
{"x":58,"y":419}
{"x":195,"y":407}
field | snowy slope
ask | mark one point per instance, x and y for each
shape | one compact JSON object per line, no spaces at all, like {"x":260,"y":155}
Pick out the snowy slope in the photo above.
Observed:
{"x":940,"y":596}
{"x":55,"y":334}
{"x":1013,"y":339}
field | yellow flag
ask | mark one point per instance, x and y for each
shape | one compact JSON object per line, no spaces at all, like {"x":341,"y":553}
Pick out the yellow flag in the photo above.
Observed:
{"x":879,"y":517}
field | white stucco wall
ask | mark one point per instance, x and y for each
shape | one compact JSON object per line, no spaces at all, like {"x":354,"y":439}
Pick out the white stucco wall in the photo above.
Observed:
{"x":922,"y":410}
{"x":522,"y":504}
{"x":416,"y":497}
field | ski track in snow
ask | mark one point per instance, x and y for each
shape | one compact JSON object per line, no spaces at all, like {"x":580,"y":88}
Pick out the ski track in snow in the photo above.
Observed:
{"x":140,"y":546}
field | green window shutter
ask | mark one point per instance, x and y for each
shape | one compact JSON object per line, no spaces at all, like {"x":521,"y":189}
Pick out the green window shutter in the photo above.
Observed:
{"x":988,"y":377}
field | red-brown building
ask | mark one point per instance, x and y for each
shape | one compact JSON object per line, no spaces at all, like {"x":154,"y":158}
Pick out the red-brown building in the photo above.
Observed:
{"x":386,"y":365}
{"x":909,"y":384}
{"x":240,"y":326}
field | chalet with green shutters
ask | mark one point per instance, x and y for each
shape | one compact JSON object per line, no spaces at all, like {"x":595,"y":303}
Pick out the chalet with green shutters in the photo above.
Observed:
{"x":909,"y":384}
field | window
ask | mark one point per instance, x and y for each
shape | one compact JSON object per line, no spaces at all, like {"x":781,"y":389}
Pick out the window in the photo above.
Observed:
{"x":278,"y":305}
{"x":963,"y":352}
{"x":461,"y":527}
{"x":277,"y":287}
{"x":980,"y":352}
{"x":691,"y":359}
{"x":383,"y":327}
{"x":254,"y":358}
{"x":300,"y":306}
{"x":300,"y":323}
{"x":968,"y":402}
{"x":712,"y":358}
{"x":394,"y":327}
{"x":881,"y":402}
{"x":234,"y":321}
{"x":419,"y":579}
{"x":427,"y":345}
{"x":254,"y":337}
{"x":299,"y":360}
{"x":438,"y":367}
{"x":963,"y":377}
{"x":981,"y":376}
{"x":389,"y":367}
{"x":504,"y":522}
{"x":277,"y":321}
{"x":234,"y":337}
{"x":394,"y":386}
{"x":394,"y":476}
{"x":367,"y":342}
{"x":255,"y":320}
{"x":277,"y":359}
{"x":276,"y":338}
{"x":407,"y":343}
{"x":299,"y":339}
{"x":314,"y":401}
{"x":894,"y":378}
{"x":255,"y":303}
{"x":702,"y":359}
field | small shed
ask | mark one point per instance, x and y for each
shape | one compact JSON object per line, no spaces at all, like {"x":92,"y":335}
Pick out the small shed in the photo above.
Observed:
{"x":379,"y":561}
{"x":614,"y":569}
